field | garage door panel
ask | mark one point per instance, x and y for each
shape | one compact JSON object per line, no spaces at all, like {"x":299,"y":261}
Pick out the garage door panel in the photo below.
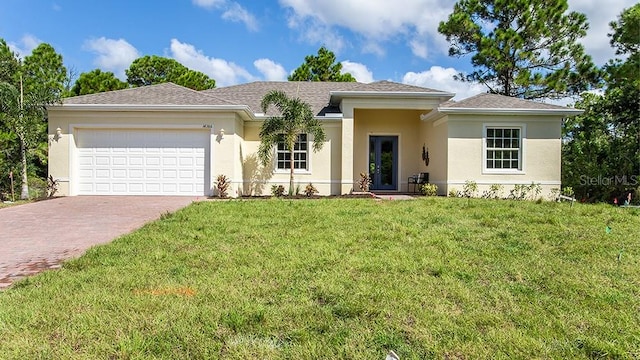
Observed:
{"x":169,"y":174}
{"x":136,"y":174}
{"x":187,"y":174}
{"x":102,"y":174}
{"x":152,"y":187}
{"x":102,"y":187}
{"x":119,"y":173}
{"x":136,"y":160}
{"x":142,"y":162}
{"x":169,"y":188}
{"x":119,"y":160}
{"x":169,"y":161}
{"x":136,"y":187}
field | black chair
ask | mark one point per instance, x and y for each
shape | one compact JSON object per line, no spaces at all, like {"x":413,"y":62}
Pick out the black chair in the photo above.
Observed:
{"x":420,"y":179}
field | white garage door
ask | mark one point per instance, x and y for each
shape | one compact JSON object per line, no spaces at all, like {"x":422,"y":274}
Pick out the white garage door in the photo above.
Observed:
{"x":142,"y":162}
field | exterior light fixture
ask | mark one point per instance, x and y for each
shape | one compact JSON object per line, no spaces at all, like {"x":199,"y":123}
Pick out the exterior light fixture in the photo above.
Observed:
{"x":221,"y":133}
{"x":58,"y":132}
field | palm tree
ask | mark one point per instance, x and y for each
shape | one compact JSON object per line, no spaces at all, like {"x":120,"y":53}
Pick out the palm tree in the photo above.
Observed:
{"x":295,"y":118}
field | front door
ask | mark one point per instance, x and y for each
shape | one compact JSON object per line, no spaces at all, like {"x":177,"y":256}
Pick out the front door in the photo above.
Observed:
{"x":383,"y":162}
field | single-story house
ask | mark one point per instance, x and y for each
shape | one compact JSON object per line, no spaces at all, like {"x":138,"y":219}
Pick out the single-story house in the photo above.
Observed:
{"x":170,"y":140}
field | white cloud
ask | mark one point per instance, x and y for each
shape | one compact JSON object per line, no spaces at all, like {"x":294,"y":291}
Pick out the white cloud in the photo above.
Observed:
{"x":373,"y":47}
{"x":237,"y":13}
{"x":441,"y":78}
{"x":358,"y":71}
{"x":112,"y":55}
{"x":377,"y":21}
{"x":232,"y":11}
{"x":315,"y":32}
{"x":270,"y":70}
{"x":599,"y":15}
{"x":25,"y":46}
{"x":225,"y":73}
{"x":209,"y":4}
{"x":416,"y":23}
{"x":418,"y":48}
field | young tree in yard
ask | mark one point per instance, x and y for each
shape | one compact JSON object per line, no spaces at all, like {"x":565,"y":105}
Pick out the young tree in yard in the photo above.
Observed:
{"x":522,"y":48}
{"x":33,"y":83}
{"x":149,"y":70}
{"x":322,"y":67}
{"x":601,"y":151}
{"x":295,"y":118}
{"x":97,"y":81}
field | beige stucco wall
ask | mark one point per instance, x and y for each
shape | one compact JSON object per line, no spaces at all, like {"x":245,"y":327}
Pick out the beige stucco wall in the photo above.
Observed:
{"x":436,"y":134}
{"x":324,"y":166}
{"x":405,"y":124}
{"x":62,"y":150}
{"x":541,"y":151}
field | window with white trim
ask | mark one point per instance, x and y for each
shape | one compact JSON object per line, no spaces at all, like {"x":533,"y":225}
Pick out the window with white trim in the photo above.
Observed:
{"x":503,"y":148}
{"x":300,"y":154}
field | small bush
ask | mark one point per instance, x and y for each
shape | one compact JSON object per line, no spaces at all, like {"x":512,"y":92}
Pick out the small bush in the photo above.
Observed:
{"x":568,"y":191}
{"x":52,"y":186}
{"x":494,"y":192}
{"x":277,"y":190}
{"x":364,"y":182}
{"x":525,"y":192}
{"x":310,"y":190}
{"x":429,"y":189}
{"x":222,"y":184}
{"x":453,"y":192}
{"x":38,"y":187}
{"x":469,"y":189}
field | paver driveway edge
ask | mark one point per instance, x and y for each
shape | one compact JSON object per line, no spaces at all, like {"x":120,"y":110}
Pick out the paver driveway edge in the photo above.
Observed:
{"x":40,"y":235}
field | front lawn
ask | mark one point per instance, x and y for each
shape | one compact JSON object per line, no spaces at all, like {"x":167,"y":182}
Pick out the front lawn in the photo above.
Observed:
{"x":344,"y":279}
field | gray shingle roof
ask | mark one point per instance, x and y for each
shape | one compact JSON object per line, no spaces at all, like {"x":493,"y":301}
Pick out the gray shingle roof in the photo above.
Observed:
{"x":317,"y":94}
{"x":160,"y":94}
{"x":495,"y":101}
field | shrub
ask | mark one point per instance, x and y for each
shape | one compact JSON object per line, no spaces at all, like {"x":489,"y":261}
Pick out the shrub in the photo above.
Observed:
{"x":469,"y":189}
{"x":277,"y":190}
{"x":494,"y":192}
{"x":568,"y":191}
{"x":364,"y":182}
{"x":222,"y":185}
{"x":38,"y":187}
{"x":523,"y":192}
{"x":453,"y":192}
{"x":310,"y":190}
{"x":429,"y":189}
{"x":52,"y":186}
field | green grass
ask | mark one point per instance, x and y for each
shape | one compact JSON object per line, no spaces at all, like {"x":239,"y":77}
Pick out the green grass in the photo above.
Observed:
{"x":344,"y":279}
{"x":14,"y":203}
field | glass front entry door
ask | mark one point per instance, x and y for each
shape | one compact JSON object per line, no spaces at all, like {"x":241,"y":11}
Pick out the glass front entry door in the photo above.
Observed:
{"x":383,"y":162}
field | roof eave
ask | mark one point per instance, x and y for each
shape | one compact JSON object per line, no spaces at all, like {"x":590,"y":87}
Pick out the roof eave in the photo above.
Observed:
{"x":341,"y":94}
{"x":326,"y":117}
{"x":244,"y":110}
{"x":508,"y":111}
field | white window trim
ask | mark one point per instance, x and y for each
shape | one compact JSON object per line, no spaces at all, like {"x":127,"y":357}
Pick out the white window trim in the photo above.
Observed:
{"x":523,"y":142}
{"x":306,"y":171}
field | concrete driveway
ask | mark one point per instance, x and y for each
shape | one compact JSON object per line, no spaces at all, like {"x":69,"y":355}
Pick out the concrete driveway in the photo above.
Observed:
{"x":38,"y":236}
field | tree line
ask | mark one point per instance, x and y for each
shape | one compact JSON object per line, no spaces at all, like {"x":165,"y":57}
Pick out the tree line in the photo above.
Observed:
{"x":528,"y":49}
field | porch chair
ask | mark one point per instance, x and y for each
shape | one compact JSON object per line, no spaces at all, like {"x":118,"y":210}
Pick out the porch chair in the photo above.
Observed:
{"x":418,"y":180}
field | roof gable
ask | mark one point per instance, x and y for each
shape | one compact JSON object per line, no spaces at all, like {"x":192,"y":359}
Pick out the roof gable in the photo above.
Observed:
{"x":495,"y":104}
{"x":496,"y":101}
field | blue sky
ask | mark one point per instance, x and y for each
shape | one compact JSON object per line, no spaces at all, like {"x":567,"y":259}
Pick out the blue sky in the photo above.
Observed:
{"x":238,"y":41}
